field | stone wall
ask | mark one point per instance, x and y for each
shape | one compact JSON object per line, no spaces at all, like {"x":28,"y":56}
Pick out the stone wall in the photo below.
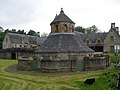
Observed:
{"x":61,"y":27}
{"x":109,"y":43}
{"x":96,"y":63}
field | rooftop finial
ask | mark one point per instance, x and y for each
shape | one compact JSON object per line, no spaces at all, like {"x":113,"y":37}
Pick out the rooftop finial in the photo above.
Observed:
{"x":61,"y":10}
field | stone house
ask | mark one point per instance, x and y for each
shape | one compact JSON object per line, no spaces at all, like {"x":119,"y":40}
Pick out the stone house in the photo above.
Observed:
{"x":15,"y":45}
{"x":103,"y":42}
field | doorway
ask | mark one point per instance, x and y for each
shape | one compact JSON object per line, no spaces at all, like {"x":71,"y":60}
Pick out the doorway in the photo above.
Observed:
{"x":13,"y":56}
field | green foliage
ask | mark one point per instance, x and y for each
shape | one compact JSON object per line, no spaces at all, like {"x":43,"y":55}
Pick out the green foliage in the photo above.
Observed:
{"x":2,"y":35}
{"x":106,"y":81}
{"x":32,"y":32}
{"x":92,"y":29}
{"x":114,"y":58}
{"x":80,"y":29}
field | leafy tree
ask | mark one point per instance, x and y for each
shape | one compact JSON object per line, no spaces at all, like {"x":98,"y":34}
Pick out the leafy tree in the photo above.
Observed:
{"x":92,"y":29}
{"x":80,"y":29}
{"x":32,"y":32}
{"x":44,"y":34}
{"x":1,"y":29}
{"x":21,"y":32}
{"x":2,"y":35}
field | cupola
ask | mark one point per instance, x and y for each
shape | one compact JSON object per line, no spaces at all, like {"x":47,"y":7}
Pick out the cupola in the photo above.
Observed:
{"x":62,"y":23}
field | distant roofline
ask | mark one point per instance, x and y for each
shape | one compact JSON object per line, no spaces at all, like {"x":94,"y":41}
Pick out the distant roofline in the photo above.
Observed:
{"x":72,"y":33}
{"x":21,"y":34}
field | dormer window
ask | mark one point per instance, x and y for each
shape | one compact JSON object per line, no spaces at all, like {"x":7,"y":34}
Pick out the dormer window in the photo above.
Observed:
{"x":65,"y":28}
{"x":98,"y":41}
{"x":87,"y":41}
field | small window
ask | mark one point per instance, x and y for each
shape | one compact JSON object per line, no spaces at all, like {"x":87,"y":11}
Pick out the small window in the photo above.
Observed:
{"x":87,"y":41}
{"x":56,"y":28}
{"x":20,"y":45}
{"x":112,"y":38}
{"x":98,"y":41}
{"x":72,"y":28}
{"x":65,"y":28}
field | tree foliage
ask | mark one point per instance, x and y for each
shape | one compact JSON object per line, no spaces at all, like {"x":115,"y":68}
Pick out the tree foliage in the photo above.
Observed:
{"x":80,"y":29}
{"x":44,"y":34}
{"x":92,"y":29}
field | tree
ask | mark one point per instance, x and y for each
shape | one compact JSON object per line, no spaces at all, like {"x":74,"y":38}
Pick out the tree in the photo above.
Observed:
{"x":32,"y":32}
{"x":80,"y":29}
{"x":44,"y":34}
{"x":92,"y":29}
{"x":21,"y":32}
{"x":2,"y":35}
{"x":1,"y":29}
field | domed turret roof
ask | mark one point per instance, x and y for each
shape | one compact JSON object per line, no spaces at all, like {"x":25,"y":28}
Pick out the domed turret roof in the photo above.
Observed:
{"x":62,"y":18}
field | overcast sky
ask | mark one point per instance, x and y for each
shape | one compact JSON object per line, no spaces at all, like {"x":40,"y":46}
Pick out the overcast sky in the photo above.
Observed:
{"x":38,"y":14}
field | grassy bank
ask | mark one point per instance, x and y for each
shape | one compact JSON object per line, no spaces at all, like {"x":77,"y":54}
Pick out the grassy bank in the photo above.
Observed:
{"x":105,"y":80}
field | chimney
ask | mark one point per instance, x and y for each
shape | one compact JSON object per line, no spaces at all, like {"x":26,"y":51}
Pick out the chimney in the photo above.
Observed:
{"x":112,"y":25}
{"x":117,"y":30}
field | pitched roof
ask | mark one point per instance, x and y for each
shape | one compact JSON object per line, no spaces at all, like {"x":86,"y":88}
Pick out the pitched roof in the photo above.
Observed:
{"x":63,"y":42}
{"x":62,"y":18}
{"x":18,"y":38}
{"x":92,"y":37}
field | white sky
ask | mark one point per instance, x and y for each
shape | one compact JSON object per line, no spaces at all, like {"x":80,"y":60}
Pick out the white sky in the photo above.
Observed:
{"x":38,"y":14}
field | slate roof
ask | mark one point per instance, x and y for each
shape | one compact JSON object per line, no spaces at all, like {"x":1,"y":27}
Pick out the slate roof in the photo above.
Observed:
{"x":18,"y":38}
{"x":63,"y":42}
{"x":92,"y":37}
{"x":62,"y":17}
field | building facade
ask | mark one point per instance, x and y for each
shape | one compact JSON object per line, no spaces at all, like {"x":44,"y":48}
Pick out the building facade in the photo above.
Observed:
{"x":103,"y":42}
{"x":15,"y":45}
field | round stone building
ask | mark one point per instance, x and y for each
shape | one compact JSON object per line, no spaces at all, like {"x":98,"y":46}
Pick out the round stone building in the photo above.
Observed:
{"x":64,"y":49}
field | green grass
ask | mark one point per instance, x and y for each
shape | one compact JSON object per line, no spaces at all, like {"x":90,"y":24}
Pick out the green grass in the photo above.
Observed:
{"x":113,"y":57}
{"x":105,"y":80}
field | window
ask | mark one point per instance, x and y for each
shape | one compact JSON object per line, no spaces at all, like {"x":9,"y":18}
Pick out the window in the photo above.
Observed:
{"x":56,"y":28}
{"x":112,"y":38}
{"x":72,"y":28}
{"x":20,"y":45}
{"x":98,"y":41}
{"x":87,"y":41}
{"x":65,"y":28}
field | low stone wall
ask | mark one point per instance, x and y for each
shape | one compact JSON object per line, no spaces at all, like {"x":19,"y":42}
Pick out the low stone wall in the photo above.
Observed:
{"x":96,"y":63}
{"x":58,"y":66}
{"x":24,"y":63}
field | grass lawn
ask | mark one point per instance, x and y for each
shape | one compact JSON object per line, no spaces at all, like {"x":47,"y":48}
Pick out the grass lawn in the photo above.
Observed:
{"x":105,"y":80}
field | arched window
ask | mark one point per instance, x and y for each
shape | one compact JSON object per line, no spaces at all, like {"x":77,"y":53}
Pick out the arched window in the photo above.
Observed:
{"x":72,"y":28}
{"x":56,"y":28}
{"x":65,"y":28}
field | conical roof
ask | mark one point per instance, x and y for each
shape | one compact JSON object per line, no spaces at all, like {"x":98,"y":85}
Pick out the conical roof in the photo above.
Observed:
{"x":62,"y":18}
{"x":64,"y":42}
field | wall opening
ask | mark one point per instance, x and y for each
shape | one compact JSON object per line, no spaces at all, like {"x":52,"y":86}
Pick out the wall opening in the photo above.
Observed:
{"x":13,"y":56}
